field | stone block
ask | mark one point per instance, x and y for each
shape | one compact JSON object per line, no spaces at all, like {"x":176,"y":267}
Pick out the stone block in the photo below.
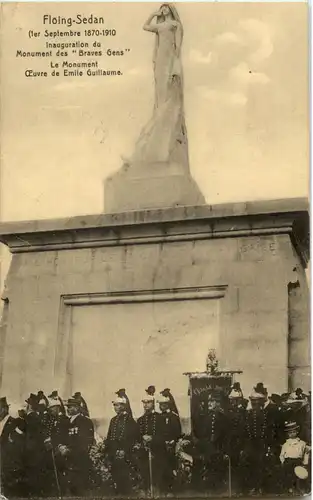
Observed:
{"x":35,"y":263}
{"x":149,"y":250}
{"x":252,"y":297}
{"x":74,"y":261}
{"x":215,"y":250}
{"x":258,"y":248}
{"x":151,"y":186}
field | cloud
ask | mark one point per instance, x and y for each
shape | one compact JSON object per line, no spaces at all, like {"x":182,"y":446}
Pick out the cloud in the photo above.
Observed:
{"x":258,"y":32}
{"x":228,"y":38}
{"x":223,"y":96}
{"x":138,"y":71}
{"x":244,"y":76}
{"x":197,"y":57}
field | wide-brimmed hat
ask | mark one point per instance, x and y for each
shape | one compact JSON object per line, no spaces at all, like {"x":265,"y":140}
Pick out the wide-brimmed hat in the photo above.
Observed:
{"x":291,"y":426}
{"x":301,"y":472}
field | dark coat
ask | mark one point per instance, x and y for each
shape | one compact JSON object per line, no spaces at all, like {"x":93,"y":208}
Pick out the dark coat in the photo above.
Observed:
{"x":152,"y":424}
{"x":12,"y":442}
{"x":122,"y":435}
{"x":80,"y":435}
{"x":172,"y":426}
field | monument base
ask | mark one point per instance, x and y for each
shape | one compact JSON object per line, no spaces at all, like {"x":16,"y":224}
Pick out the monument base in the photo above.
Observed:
{"x":94,"y":303}
{"x":151,"y":186}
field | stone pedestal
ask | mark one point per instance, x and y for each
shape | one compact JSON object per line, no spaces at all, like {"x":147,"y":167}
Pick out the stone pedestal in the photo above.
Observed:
{"x":100,"y":302}
{"x":151,"y":186}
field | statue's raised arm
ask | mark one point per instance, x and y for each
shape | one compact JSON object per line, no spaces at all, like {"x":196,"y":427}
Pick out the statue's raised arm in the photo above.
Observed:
{"x":164,"y":138}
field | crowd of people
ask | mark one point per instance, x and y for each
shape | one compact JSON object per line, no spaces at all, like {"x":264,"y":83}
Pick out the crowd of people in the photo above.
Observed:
{"x":236,"y":446}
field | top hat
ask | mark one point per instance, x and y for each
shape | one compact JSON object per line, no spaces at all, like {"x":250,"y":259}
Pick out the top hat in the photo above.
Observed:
{"x":33,"y":399}
{"x":77,"y":395}
{"x":3,"y":402}
{"x":72,"y":402}
{"x":54,"y":394}
{"x":259,"y":388}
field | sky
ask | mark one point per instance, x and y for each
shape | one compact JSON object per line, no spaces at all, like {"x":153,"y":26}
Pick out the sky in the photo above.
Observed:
{"x":246,"y":102}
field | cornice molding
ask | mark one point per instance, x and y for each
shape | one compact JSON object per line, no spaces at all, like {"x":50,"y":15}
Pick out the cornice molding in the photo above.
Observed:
{"x":164,"y":225}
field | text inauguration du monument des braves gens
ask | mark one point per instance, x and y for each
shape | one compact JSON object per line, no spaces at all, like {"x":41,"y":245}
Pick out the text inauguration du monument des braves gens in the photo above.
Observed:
{"x":80,"y":45}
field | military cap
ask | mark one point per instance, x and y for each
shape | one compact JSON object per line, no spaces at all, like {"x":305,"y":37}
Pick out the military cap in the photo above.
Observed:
{"x":147,"y":398}
{"x":119,"y":400}
{"x":235,"y":394}
{"x":256,"y":396}
{"x":163,"y":399}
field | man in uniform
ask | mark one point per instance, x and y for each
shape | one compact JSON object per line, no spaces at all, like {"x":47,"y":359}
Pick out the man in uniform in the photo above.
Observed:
{"x":172,"y":431}
{"x":153,"y":449}
{"x":34,"y":448}
{"x":211,"y":445}
{"x":236,"y":429}
{"x":12,"y":438}
{"x":80,"y":440}
{"x":56,"y":436}
{"x":258,"y":441}
{"x":122,"y":435}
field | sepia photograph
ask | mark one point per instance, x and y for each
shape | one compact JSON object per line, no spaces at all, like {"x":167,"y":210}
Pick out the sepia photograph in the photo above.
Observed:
{"x":155,"y":250}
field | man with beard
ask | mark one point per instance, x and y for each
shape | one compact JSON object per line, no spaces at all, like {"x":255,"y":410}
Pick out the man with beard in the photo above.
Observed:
{"x":173,"y":431}
{"x":153,"y":449}
{"x":122,"y":435}
{"x":56,"y":435}
{"x":80,"y":440}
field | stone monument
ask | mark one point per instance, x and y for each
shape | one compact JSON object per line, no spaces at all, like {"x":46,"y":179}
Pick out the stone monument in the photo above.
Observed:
{"x":137,"y":295}
{"x":157,"y":174}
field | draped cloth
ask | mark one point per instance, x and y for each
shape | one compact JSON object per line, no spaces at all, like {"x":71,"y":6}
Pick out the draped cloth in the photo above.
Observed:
{"x":164,"y":138}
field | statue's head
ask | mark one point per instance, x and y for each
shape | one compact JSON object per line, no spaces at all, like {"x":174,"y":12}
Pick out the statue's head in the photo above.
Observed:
{"x":168,"y":10}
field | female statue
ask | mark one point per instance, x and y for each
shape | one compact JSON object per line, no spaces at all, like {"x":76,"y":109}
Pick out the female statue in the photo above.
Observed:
{"x":164,"y":138}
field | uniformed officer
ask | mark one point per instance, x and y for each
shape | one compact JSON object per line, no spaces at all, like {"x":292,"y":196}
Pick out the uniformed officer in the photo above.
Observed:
{"x":236,"y":430}
{"x":211,"y":445}
{"x":83,"y":405}
{"x":172,"y":431}
{"x":34,"y":448}
{"x":122,"y":435}
{"x":80,"y":440}
{"x":12,"y":436}
{"x":257,"y":446}
{"x":153,"y":449}
{"x":56,"y":437}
